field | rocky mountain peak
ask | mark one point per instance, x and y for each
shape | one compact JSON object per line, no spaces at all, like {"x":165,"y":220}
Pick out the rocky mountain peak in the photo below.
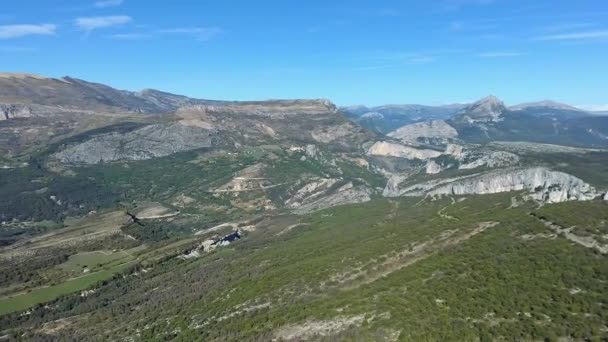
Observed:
{"x":489,"y":108}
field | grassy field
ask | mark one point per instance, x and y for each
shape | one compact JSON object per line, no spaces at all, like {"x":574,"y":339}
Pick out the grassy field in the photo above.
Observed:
{"x":46,"y":294}
{"x":93,"y":260}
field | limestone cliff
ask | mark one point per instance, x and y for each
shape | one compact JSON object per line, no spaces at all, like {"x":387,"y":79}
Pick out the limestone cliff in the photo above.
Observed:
{"x":144,"y":143}
{"x":542,"y":184}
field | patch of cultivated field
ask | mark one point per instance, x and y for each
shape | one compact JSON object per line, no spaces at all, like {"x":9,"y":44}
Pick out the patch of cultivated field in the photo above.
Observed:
{"x":45,"y":294}
{"x":78,"y":229}
{"x":93,"y":260}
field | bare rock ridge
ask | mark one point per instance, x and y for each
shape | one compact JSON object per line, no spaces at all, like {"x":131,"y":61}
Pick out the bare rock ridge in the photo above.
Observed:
{"x":270,"y":108}
{"x":148,"y":142}
{"x":429,"y":129}
{"x":326,"y":193}
{"x":390,"y":149}
{"x":543,"y":184}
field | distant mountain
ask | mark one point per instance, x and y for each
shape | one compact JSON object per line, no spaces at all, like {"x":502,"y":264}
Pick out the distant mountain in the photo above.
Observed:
{"x":33,"y":95}
{"x":545,"y":122}
{"x":551,"y":109}
{"x":388,"y":118}
{"x":36,"y":111}
{"x":548,"y":104}
{"x":488,"y":109}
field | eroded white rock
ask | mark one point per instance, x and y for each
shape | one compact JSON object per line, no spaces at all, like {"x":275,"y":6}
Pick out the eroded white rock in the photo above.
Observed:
{"x":389,"y":149}
{"x":543,"y":184}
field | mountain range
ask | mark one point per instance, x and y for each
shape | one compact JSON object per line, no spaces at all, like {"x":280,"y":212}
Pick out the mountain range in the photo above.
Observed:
{"x":148,"y":215}
{"x":490,"y":119}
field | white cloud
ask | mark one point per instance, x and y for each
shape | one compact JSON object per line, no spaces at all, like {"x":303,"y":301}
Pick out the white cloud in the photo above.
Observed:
{"x":93,"y":23}
{"x":575,"y":35}
{"x":500,"y":54}
{"x":108,"y":3}
{"x":16,"y":31}
{"x":200,"y":33}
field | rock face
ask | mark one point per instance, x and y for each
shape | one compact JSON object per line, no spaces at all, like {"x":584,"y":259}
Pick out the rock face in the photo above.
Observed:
{"x":306,"y":121}
{"x":372,"y":115}
{"x":433,"y":168}
{"x":432,"y":129}
{"x":10,"y":111}
{"x":270,"y":109}
{"x":326,"y":193}
{"x":543,"y":184}
{"x":144,"y":143}
{"x":472,"y":160}
{"x":389,"y":149}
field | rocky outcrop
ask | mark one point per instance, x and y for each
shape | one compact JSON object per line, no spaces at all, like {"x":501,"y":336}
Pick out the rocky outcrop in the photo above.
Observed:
{"x":494,"y":159}
{"x":330,"y":134}
{"x":269,"y":109}
{"x":437,"y":129}
{"x":347,"y":194}
{"x":372,"y":115}
{"x":454,"y":150}
{"x":526,"y":146}
{"x":326,"y":193}
{"x":10,"y":111}
{"x":543,"y":184}
{"x":389,"y":149}
{"x":144,"y":143}
{"x":433,"y":168}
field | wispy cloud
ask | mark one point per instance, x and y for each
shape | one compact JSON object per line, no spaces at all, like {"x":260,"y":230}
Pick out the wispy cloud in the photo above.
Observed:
{"x":17,"y":49}
{"x":457,"y":4}
{"x":500,"y":54}
{"x":567,"y":27}
{"x":584,"y":35}
{"x":199,"y":33}
{"x":387,"y":12}
{"x":130,"y":36}
{"x":107,"y":3}
{"x":389,"y":60}
{"x":93,"y":23}
{"x":16,"y":31}
{"x":422,"y":59}
{"x":459,"y":26}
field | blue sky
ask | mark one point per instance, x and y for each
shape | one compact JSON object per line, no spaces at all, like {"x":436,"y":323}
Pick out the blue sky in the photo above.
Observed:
{"x":352,"y":52}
